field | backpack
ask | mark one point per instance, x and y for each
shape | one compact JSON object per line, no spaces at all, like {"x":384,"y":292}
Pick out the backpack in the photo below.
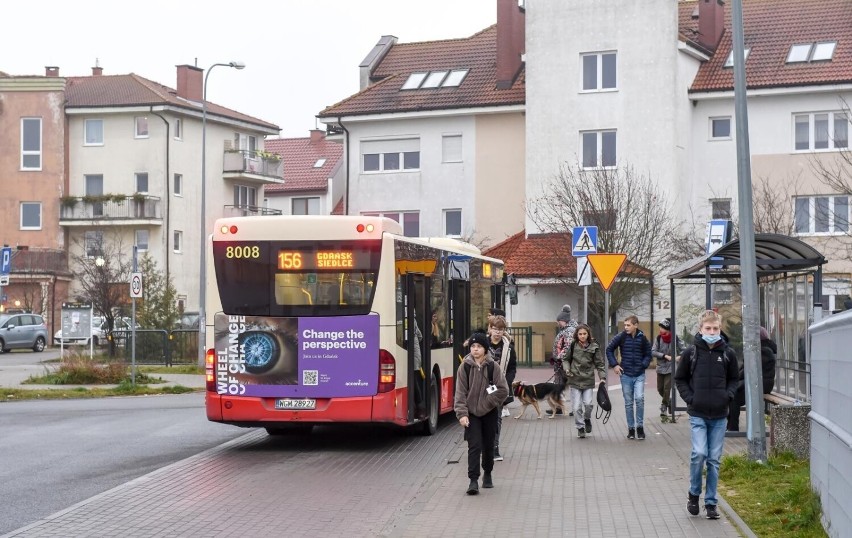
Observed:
{"x":603,"y":402}
{"x":488,"y":366}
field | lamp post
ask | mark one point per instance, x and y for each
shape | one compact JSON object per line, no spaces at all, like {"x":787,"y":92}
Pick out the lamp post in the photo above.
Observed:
{"x":202,"y":288}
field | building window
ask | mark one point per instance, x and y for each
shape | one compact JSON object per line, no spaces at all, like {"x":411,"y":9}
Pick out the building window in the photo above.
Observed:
{"x":452,"y":222}
{"x":410,"y":220}
{"x":720,"y":128}
{"x":178,"y":185}
{"x":729,"y":62}
{"x":435,"y":79}
{"x":721,"y":209}
{"x":31,"y":215}
{"x":94,"y":242}
{"x":821,"y":131}
{"x":142,"y":239}
{"x":822,"y":215}
{"x":95,"y":187}
{"x":811,"y":52}
{"x":94,"y":135}
{"x":306,"y":206}
{"x":177,"y":241}
{"x":599,"y":71}
{"x":451,"y":148}
{"x":245,"y":196}
{"x":598,"y":149}
{"x":178,"y":129}
{"x":142,"y":182}
{"x":320,"y":162}
{"x":141,"y":127}
{"x":390,"y":155}
{"x":30,"y":143}
{"x":604,"y":219}
{"x":247,"y":143}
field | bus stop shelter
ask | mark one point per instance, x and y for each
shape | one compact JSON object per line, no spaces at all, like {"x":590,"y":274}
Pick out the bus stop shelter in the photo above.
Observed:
{"x":789,"y":276}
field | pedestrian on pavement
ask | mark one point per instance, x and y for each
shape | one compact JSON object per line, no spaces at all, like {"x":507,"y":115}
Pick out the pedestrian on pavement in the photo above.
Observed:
{"x":480,"y":391}
{"x":768,"y":349}
{"x":706,"y":379}
{"x":502,"y":351}
{"x":564,"y":337}
{"x":584,"y":358}
{"x":661,"y":350}
{"x":635,"y":351}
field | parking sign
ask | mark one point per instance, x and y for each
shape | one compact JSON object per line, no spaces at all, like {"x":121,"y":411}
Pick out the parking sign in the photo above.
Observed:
{"x":6,"y":261}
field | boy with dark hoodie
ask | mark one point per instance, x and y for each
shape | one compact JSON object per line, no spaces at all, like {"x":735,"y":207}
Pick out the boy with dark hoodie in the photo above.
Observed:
{"x":480,"y":392}
{"x":706,"y":379}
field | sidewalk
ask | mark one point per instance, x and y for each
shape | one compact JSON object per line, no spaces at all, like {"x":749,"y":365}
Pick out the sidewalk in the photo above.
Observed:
{"x":550,"y":484}
{"x":13,"y":376}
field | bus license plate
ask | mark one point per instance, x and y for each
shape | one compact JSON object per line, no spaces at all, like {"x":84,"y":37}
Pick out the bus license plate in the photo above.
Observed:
{"x":295,"y":404}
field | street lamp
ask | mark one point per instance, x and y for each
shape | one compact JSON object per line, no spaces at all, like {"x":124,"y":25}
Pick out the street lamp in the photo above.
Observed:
{"x":202,"y":287}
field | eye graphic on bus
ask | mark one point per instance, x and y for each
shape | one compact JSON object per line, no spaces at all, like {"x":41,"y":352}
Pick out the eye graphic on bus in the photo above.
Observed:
{"x":261,"y":350}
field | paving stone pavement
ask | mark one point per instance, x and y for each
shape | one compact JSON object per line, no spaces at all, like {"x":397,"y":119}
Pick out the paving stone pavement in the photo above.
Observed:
{"x":386,"y":484}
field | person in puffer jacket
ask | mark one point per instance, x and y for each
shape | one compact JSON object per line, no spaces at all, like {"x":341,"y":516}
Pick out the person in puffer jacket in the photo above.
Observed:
{"x":635,"y":352}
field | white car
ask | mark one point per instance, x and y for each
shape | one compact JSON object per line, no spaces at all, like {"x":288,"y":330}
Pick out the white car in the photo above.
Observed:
{"x":99,"y":332}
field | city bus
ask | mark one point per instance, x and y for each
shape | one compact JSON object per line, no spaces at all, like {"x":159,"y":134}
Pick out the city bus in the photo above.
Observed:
{"x":338,"y":319}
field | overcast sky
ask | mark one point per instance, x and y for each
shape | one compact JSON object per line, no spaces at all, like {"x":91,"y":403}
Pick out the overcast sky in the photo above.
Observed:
{"x":300,"y":56}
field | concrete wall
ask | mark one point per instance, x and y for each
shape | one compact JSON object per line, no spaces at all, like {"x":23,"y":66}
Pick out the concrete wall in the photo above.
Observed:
{"x":831,"y":422}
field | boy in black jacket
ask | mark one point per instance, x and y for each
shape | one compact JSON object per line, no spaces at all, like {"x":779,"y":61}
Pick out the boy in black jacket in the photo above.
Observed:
{"x":706,"y":379}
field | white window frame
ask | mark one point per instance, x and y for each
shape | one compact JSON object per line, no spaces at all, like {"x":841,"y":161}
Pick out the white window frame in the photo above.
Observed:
{"x":713,"y":121}
{"x":308,"y":201}
{"x":599,"y":71}
{"x":178,"y":129}
{"x":31,"y":152}
{"x":452,"y":138}
{"x":94,"y":238}
{"x":401,"y":157}
{"x":245,"y":196}
{"x":446,"y":214}
{"x":86,"y":132}
{"x":833,"y":117}
{"x":177,"y":184}
{"x":807,"y":52}
{"x":729,"y":61}
{"x":830,"y":215}
{"x":136,"y":188}
{"x":398,"y":216}
{"x":177,"y":242}
{"x":599,"y":149}
{"x":140,"y":123}
{"x":40,"y":220}
{"x":142,"y":247}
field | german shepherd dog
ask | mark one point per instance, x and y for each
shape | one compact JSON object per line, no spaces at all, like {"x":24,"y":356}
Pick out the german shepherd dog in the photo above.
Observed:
{"x":531,"y":394}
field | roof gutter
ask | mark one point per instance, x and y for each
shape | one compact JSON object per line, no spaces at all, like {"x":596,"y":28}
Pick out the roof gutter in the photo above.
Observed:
{"x":166,"y":197}
{"x":346,"y":149}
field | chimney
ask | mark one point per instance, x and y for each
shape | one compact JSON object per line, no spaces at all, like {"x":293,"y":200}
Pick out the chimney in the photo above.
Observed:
{"x":711,"y":22}
{"x":51,"y":71}
{"x":510,"y":42}
{"x":317,"y":136}
{"x":189,"y":82}
{"x":97,"y":71}
{"x":374,"y":58}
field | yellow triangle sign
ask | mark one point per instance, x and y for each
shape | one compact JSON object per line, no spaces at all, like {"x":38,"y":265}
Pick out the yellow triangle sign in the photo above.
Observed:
{"x":607,"y":267}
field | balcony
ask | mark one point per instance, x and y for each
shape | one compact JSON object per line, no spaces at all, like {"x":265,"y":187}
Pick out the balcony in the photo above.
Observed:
{"x":252,"y":167}
{"x":249,"y":211}
{"x":110,"y":210}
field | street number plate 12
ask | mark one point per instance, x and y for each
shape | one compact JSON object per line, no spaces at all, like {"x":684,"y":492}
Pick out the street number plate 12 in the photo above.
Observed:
{"x":295,"y":404}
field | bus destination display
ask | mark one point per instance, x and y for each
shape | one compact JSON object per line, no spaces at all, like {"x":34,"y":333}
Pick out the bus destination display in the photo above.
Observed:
{"x":291,"y":260}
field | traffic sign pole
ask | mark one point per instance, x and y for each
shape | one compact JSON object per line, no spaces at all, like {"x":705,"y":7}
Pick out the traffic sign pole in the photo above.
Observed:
{"x":5,"y":267}
{"x":133,"y":323}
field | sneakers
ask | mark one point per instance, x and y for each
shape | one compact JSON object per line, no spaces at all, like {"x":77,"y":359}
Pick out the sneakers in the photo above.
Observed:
{"x":487,"y":482}
{"x":558,"y":412}
{"x":631,"y":433}
{"x":497,"y":456}
{"x":712,"y":512}
{"x":473,"y":488}
{"x":588,"y":425}
{"x":640,"y":433}
{"x":691,"y":504}
{"x":581,"y":433}
{"x":571,"y":414}
{"x":505,"y":413}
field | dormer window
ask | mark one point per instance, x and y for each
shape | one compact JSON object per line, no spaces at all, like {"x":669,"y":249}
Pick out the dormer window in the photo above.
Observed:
{"x":730,"y":61}
{"x":435,"y":79}
{"x":811,"y":52}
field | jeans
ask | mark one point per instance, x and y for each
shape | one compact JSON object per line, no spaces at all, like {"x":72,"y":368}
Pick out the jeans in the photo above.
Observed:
{"x":633,"y":390}
{"x":708,"y":440}
{"x":480,"y":435}
{"x":581,"y":402}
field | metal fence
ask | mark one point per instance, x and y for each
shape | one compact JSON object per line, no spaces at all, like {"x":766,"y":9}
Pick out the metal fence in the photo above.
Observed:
{"x":158,"y":346}
{"x":523,"y":344}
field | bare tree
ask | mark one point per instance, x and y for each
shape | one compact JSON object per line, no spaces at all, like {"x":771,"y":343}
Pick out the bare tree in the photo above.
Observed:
{"x":772,"y":202}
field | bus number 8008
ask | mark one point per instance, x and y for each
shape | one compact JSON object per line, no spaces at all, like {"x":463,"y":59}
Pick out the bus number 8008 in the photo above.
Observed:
{"x":242,"y":252}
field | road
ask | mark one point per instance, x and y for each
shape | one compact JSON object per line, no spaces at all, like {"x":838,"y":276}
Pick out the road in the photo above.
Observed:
{"x":56,"y":453}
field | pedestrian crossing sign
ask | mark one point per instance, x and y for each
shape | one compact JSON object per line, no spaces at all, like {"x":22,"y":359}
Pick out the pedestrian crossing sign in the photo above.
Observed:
{"x":584,"y":240}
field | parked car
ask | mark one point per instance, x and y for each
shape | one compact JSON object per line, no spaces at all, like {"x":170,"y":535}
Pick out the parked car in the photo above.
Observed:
{"x":99,"y":333}
{"x":188,"y":320}
{"x":22,"y":331}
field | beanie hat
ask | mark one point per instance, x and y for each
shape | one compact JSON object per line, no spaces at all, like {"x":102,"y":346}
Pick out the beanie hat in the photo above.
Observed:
{"x":497,"y":312}
{"x":764,"y":334}
{"x":666,"y":324}
{"x":478,"y":338}
{"x":564,"y":314}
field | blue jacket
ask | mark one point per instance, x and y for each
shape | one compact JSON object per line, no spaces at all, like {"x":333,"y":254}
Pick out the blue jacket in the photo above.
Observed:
{"x":635,"y":353}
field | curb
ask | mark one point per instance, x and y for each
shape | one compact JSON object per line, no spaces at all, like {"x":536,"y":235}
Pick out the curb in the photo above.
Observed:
{"x":735,"y":518}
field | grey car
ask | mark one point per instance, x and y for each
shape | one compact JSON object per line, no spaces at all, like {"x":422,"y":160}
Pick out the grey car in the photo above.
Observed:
{"x":22,"y":331}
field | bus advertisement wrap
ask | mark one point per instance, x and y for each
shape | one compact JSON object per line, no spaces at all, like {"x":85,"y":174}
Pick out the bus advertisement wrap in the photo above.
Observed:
{"x":314,"y":357}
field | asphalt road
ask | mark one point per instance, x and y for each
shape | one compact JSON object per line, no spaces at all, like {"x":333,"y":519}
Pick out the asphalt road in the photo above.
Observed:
{"x":56,"y":453}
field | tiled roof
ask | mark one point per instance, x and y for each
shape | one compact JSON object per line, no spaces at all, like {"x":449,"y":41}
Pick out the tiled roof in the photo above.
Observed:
{"x":300,"y":156}
{"x":770,"y":28}
{"x":338,"y":207}
{"x":477,"y":53}
{"x":133,"y":90}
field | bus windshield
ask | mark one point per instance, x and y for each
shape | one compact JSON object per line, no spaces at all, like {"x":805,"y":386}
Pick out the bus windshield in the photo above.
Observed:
{"x":296,"y":278}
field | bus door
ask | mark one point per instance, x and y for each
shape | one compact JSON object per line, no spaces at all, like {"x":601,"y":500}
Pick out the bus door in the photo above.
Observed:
{"x":417,"y":316}
{"x":459,"y":318}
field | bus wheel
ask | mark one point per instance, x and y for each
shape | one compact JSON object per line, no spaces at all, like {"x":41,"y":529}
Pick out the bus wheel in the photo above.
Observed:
{"x":291,"y":429}
{"x":430,"y":425}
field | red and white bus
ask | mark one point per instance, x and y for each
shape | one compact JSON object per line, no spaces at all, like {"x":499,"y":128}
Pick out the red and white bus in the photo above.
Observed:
{"x":319,"y":319}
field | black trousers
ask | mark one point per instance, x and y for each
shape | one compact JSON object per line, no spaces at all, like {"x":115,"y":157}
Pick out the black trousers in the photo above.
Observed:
{"x":480,"y":435}
{"x":734,"y":409}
